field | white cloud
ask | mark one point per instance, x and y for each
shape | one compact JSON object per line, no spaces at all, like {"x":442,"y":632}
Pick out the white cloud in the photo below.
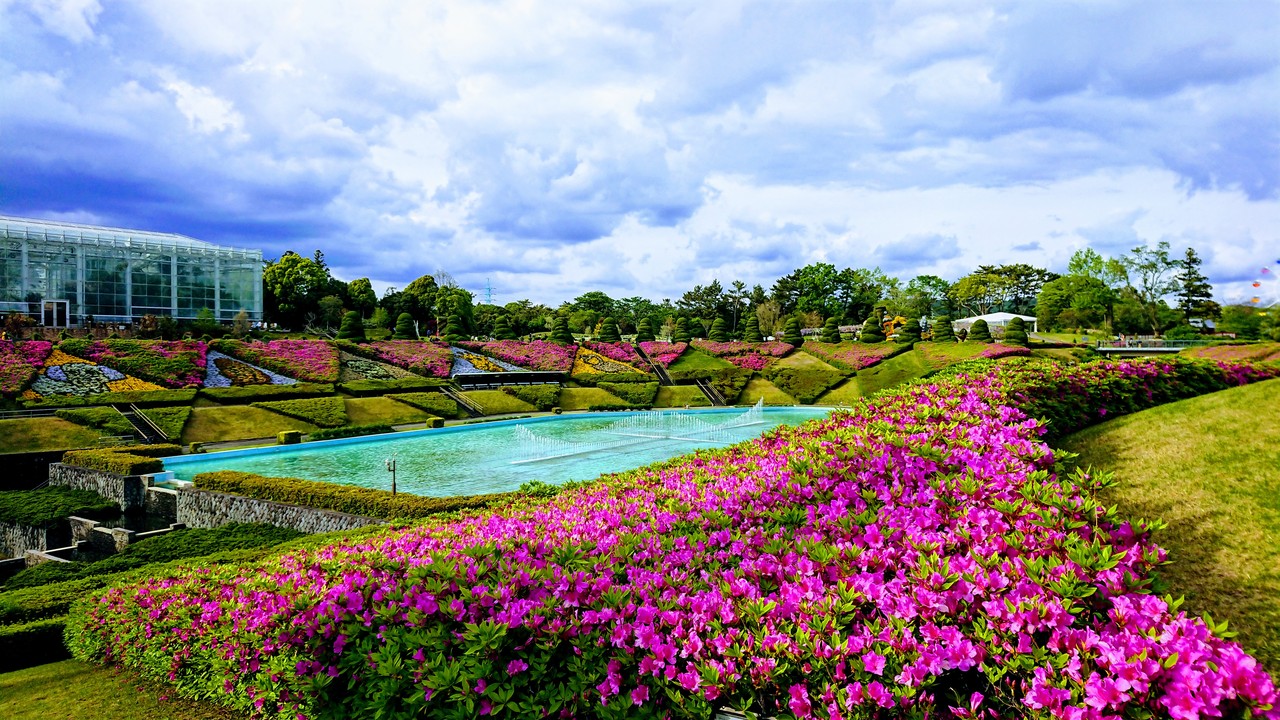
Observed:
{"x":71,"y":19}
{"x":204,"y":110}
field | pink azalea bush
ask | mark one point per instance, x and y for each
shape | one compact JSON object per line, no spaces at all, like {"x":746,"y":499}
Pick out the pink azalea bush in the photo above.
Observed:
{"x":310,"y":360}
{"x":532,"y":355}
{"x":1256,"y":352}
{"x":430,"y":358}
{"x":851,"y":356}
{"x":771,"y":348}
{"x":750,"y":361}
{"x":663,"y":353}
{"x":19,"y":363}
{"x":915,"y":556}
{"x":992,"y":352}
{"x":620,"y":351}
{"x":170,"y":363}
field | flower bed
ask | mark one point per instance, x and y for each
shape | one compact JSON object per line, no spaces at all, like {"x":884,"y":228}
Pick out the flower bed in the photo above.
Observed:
{"x":1256,"y":352}
{"x":772,"y":348}
{"x":224,"y":371}
{"x":466,"y":362}
{"x":354,"y":368}
{"x":19,"y":363}
{"x":992,"y":352}
{"x":309,"y":360}
{"x":751,"y":361}
{"x":619,"y":351}
{"x":64,"y":374}
{"x":663,"y":353}
{"x":170,"y":363}
{"x":590,"y":362}
{"x":912,"y":557}
{"x":851,"y":356}
{"x":424,"y":357}
{"x":532,"y":355}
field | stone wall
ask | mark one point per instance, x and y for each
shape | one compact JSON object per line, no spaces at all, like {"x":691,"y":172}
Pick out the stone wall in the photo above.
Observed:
{"x":205,"y":509}
{"x":126,"y":490}
{"x":161,"y":503}
{"x":16,"y":539}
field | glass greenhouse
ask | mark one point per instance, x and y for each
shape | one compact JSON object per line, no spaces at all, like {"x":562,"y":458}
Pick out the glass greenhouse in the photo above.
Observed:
{"x":64,"y":273}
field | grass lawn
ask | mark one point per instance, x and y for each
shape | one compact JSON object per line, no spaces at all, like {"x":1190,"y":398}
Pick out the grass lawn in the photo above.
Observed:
{"x":237,"y":422}
{"x":1057,"y":354}
{"x":693,"y":359}
{"x":846,"y":392}
{"x":678,"y":396}
{"x":72,"y":689}
{"x":1066,"y":337}
{"x":802,"y":359}
{"x":583,"y":398}
{"x":761,"y":388}
{"x":382,"y":411}
{"x":888,"y":373}
{"x":44,"y":433}
{"x":1208,"y":467}
{"x":496,"y":402}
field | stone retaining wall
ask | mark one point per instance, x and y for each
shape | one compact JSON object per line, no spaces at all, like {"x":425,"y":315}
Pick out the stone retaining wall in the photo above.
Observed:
{"x":126,"y":490}
{"x":16,"y":539}
{"x":205,"y":509}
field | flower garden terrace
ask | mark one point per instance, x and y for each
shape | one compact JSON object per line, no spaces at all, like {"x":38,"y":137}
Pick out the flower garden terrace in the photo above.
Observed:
{"x":915,"y":556}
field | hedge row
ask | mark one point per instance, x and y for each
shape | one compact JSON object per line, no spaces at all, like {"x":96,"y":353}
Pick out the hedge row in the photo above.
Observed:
{"x":593,"y":379}
{"x":637,"y":394}
{"x":127,"y":460}
{"x":326,"y":412}
{"x":543,"y":397}
{"x":31,"y":644}
{"x":141,"y":398}
{"x":47,"y":505}
{"x":252,"y":393}
{"x":364,"y":388}
{"x":349,"y":431}
{"x":340,"y":498}
{"x":432,"y":402}
{"x":106,"y":419}
{"x":803,"y":384}
{"x":176,"y":545}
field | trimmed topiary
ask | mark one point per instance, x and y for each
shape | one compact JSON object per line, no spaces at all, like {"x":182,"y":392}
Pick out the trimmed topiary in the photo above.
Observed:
{"x":872,"y":332}
{"x":609,"y":331}
{"x":910,"y":332}
{"x":352,"y":327}
{"x":791,"y":332}
{"x":560,"y":332}
{"x":453,"y":329}
{"x":404,"y":328}
{"x":980,"y":332}
{"x":682,"y":331}
{"x":942,"y":330}
{"x":831,"y":330}
{"x":644,"y":331}
{"x":1016,"y":333}
{"x":752,"y":331}
{"x":502,"y":329}
{"x":718,"y":331}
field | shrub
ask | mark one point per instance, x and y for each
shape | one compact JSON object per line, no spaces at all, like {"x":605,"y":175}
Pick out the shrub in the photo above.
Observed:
{"x":719,"y":333}
{"x":872,"y":332}
{"x":169,"y":419}
{"x":502,"y":329}
{"x":1016,"y":333}
{"x":288,"y":437}
{"x":47,"y":505}
{"x":323,"y":412}
{"x":910,"y":332}
{"x":791,"y":332}
{"x":980,"y":332}
{"x":404,"y":328}
{"x":252,"y":393}
{"x":352,"y":327}
{"x":427,"y":358}
{"x":349,"y":431}
{"x":432,"y":402}
{"x":141,"y":398}
{"x":120,"y":463}
{"x":543,"y":397}
{"x":644,"y":331}
{"x":593,"y":379}
{"x":340,"y":498}
{"x":681,"y":334}
{"x":751,"y":333}
{"x":30,"y":644}
{"x":609,"y":331}
{"x":942,"y":329}
{"x":803,"y":384}
{"x":831,"y":330}
{"x":635,"y":394}
{"x":366,"y":388}
{"x":106,"y":419}
{"x":560,"y":331}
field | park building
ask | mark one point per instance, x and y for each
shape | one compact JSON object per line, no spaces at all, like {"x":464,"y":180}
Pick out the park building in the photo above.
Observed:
{"x":65,"y":274}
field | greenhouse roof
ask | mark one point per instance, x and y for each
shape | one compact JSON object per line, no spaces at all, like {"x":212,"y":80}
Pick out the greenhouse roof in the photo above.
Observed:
{"x":55,"y":230}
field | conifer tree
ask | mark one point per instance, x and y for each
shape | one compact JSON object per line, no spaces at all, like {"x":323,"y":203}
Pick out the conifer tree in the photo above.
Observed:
{"x":1015,"y":333}
{"x":831,"y":330}
{"x":502,"y":329}
{"x":718,"y":331}
{"x":682,"y":331}
{"x":352,"y":328}
{"x":872,"y":332}
{"x":1194,"y":293}
{"x":404,"y":328}
{"x":560,"y":332}
{"x":910,"y":332}
{"x":942,"y":330}
{"x":791,"y":332}
{"x":609,"y":331}
{"x":644,"y":331}
{"x":751,"y":332}
{"x":979,"y":331}
{"x":453,"y":329}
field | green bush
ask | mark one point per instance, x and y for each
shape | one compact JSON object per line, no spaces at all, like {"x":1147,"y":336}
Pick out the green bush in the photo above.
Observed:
{"x":45,"y":601}
{"x":593,"y":379}
{"x":120,"y":463}
{"x":831,"y":330}
{"x":729,"y":381}
{"x":340,"y":498}
{"x":367,"y":388}
{"x":352,"y":328}
{"x":872,"y":331}
{"x":1016,"y":333}
{"x":349,"y":431}
{"x":644,"y":331}
{"x":791,"y":332}
{"x":253,"y":393}
{"x":432,"y":402}
{"x":980,"y":332}
{"x":942,"y":330}
{"x":719,"y":333}
{"x":609,"y":331}
{"x":636,"y":394}
{"x":31,"y":644}
{"x":169,"y":419}
{"x":681,"y":334}
{"x":141,"y":398}
{"x":288,"y":437}
{"x":324,"y":412}
{"x":404,"y":328}
{"x":106,"y":419}
{"x":175,"y":545}
{"x":543,"y":397}
{"x":751,"y":333}
{"x":48,"y":505}
{"x":910,"y":332}
{"x":803,"y":384}
{"x":158,"y":450}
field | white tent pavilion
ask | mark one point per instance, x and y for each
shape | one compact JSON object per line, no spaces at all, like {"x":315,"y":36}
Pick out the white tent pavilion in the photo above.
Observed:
{"x":994,"y":320}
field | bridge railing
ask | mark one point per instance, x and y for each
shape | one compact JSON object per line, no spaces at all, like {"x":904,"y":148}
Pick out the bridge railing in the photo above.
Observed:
{"x":1150,"y":343}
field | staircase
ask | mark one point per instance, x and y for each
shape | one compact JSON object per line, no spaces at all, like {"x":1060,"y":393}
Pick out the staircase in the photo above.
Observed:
{"x":148,"y":431}
{"x":711,"y":392}
{"x":468,"y":407}
{"x":664,"y":378}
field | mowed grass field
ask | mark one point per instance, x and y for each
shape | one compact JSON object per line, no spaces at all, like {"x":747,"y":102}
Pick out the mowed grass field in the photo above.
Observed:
{"x":71,"y":690}
{"x":1210,"y":468}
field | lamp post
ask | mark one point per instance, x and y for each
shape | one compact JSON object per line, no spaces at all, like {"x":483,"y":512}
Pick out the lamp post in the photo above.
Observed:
{"x":391,"y":468}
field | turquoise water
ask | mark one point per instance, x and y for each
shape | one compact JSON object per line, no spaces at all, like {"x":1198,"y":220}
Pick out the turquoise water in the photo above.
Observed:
{"x":492,"y":457}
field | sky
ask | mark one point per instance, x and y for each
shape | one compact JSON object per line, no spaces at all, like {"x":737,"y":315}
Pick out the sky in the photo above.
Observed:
{"x":542,"y":149}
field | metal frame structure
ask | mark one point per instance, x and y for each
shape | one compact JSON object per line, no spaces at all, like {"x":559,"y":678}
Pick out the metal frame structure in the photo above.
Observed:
{"x":119,"y":275}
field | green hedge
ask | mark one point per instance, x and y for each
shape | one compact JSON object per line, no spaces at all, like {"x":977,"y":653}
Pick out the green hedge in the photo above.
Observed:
{"x":105,"y":419}
{"x":112,"y":461}
{"x":49,"y":504}
{"x":637,"y":394}
{"x":803,"y":384}
{"x":594,"y":379}
{"x":340,"y":498}
{"x":350,"y":431}
{"x":729,"y":381}
{"x":46,"y":601}
{"x":543,"y":397}
{"x":366,"y":388}
{"x":253,"y":393}
{"x":141,"y":398}
{"x":31,"y":644}
{"x":158,"y":450}
{"x":326,"y":412}
{"x":432,"y":402}
{"x":169,"y":419}
{"x":176,"y":545}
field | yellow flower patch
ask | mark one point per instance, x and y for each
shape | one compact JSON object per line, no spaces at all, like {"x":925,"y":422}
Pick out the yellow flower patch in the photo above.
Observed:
{"x":57,"y":357}
{"x":132,"y":384}
{"x":590,"y":361}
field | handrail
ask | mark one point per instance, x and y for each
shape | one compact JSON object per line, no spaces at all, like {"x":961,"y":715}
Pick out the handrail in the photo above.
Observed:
{"x":161,"y":434}
{"x":19,"y":414}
